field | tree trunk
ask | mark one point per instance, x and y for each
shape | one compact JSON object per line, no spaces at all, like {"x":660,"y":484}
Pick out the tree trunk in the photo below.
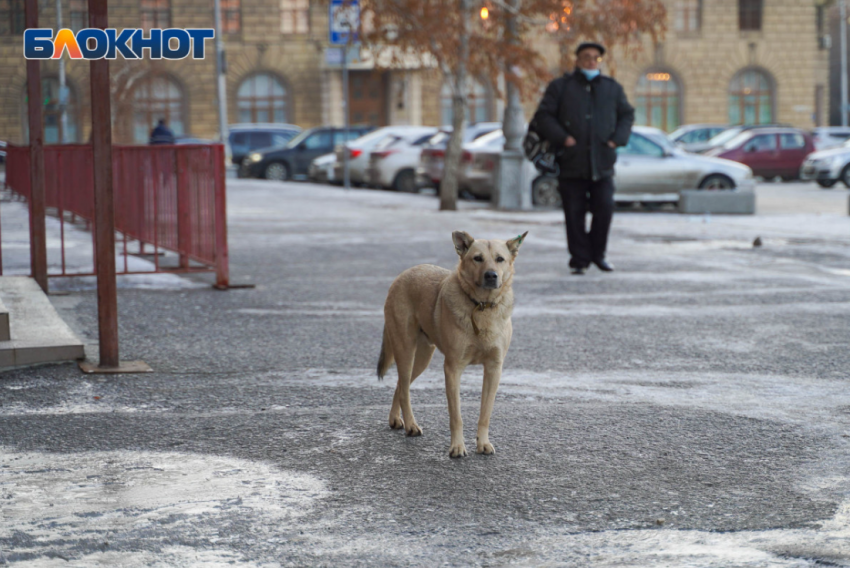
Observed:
{"x":448,"y":185}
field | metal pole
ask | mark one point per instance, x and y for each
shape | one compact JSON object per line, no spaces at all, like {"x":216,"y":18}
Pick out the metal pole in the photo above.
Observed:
{"x":63,"y":95}
{"x":107,"y":295}
{"x":38,"y":228}
{"x":220,"y":70}
{"x":512,"y":191}
{"x":843,"y":23}
{"x":345,"y":173}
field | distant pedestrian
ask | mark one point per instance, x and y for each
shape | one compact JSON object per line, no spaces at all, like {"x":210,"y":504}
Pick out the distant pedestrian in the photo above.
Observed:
{"x":161,"y":134}
{"x":587,"y":116}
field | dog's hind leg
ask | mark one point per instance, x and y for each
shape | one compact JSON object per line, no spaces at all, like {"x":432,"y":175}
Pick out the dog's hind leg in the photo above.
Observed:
{"x":404,"y":349}
{"x":421,"y":360}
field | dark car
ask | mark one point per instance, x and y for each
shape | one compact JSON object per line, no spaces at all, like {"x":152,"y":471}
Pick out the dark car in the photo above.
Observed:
{"x":292,"y":160}
{"x":245,"y":138}
{"x":770,"y":152}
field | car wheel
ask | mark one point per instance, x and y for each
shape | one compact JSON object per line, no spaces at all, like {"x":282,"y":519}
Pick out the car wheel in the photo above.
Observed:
{"x":544,"y":192}
{"x":717,"y":182}
{"x":845,"y":176}
{"x":405,"y":181}
{"x":277,"y":171}
{"x":827,"y":183}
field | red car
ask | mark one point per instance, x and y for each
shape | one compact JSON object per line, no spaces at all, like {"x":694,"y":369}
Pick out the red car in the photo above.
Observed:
{"x":770,"y":152}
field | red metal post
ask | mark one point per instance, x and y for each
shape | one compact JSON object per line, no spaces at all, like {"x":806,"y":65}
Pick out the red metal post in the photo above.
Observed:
{"x":38,"y":229}
{"x":184,"y":218}
{"x":107,"y":294}
{"x":222,"y":259}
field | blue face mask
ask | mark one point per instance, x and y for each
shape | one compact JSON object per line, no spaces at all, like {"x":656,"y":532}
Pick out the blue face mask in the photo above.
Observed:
{"x":590,"y":73}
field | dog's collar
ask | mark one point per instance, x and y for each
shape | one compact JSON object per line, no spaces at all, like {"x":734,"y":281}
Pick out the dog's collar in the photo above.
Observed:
{"x":479,"y":307}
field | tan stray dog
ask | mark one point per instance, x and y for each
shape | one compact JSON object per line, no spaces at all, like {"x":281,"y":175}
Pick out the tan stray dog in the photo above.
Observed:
{"x":466,"y":314}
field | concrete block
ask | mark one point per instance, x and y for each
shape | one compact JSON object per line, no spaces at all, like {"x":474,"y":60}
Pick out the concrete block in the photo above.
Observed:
{"x":4,"y":322}
{"x":697,"y":202}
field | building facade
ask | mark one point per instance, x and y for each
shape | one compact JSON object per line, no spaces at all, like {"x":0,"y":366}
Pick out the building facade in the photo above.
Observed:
{"x":721,"y":61}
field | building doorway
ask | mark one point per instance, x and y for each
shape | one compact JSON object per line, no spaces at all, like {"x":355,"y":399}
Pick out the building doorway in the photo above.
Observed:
{"x":367,"y":96}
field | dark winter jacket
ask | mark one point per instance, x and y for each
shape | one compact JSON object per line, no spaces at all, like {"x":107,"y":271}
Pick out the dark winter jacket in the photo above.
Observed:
{"x":161,"y":135}
{"x":592,"y":112}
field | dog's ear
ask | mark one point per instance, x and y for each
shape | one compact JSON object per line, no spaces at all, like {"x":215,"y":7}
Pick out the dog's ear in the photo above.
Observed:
{"x":514,"y":243}
{"x":462,"y":242}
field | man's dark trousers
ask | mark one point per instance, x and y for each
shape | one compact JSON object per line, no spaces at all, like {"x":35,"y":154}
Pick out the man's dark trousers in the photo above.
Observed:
{"x":579,"y":196}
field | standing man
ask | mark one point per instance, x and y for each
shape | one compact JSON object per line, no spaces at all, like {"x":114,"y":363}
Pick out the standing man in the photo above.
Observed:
{"x":161,"y":134}
{"x":586,"y":115}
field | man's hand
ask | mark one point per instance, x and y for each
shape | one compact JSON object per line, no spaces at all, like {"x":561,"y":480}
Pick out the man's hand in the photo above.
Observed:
{"x":570,"y":141}
{"x":612,"y":144}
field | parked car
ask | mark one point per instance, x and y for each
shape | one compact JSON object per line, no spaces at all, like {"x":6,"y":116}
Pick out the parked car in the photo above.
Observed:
{"x":728,"y":134}
{"x":393,"y":161}
{"x":430,"y":170}
{"x":827,"y":167}
{"x":189,"y":139}
{"x":2,"y":152}
{"x":770,"y":152}
{"x":293,"y":159}
{"x":321,"y":169}
{"x":245,"y":138}
{"x":649,"y":166}
{"x":360,"y":148}
{"x":826,"y":137}
{"x":693,"y":137}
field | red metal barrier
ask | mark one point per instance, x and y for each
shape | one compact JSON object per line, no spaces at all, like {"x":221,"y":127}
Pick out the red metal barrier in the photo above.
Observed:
{"x":169,"y":197}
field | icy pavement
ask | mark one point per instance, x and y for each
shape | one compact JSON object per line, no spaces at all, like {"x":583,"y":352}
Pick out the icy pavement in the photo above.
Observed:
{"x":689,"y":410}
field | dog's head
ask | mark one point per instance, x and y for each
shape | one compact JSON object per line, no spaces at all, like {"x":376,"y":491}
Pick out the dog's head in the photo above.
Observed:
{"x":486,"y":264}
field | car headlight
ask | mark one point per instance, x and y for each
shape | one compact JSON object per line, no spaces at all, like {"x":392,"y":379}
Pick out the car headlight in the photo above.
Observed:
{"x":255,"y":157}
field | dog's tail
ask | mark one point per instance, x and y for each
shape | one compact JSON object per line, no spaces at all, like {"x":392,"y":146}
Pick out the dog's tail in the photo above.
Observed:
{"x":386,"y":359}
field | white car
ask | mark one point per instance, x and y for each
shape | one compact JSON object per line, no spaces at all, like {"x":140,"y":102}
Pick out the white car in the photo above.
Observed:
{"x":393,"y":161}
{"x":651,"y":168}
{"x":827,"y":167}
{"x":693,"y":137}
{"x":322,"y":168}
{"x":360,"y":148}
{"x":826,"y":137}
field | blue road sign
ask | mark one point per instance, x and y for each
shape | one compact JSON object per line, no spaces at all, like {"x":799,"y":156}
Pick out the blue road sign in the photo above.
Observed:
{"x":344,"y":21}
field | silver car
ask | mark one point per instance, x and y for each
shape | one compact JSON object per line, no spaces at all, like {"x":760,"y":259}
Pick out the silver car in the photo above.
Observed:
{"x":693,"y":137}
{"x":651,"y":168}
{"x":827,"y":167}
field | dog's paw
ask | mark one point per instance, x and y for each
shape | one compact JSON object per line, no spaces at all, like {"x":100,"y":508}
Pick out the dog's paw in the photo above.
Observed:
{"x":413,"y":430}
{"x":485,"y":448}
{"x":396,"y":423}
{"x":458,"y":451}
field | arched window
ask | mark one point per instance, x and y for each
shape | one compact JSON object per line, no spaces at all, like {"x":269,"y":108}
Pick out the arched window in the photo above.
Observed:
{"x":157,"y":98}
{"x":55,"y":132}
{"x":262,"y":98}
{"x":478,"y":102}
{"x":751,"y":98}
{"x":657,"y":101}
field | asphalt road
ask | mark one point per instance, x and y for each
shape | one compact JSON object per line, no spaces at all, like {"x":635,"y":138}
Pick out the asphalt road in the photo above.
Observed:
{"x":690,"y":409}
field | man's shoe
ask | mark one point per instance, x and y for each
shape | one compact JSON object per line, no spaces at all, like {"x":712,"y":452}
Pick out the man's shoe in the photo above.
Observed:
{"x":603,"y":265}
{"x":578,"y":270}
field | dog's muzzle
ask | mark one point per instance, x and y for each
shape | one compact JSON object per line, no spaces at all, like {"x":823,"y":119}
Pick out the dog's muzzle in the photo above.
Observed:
{"x":491,"y":280}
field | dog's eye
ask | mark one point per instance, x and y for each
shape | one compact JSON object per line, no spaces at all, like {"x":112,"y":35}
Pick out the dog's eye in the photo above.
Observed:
{"x":500,"y":259}
{"x":478,"y":258}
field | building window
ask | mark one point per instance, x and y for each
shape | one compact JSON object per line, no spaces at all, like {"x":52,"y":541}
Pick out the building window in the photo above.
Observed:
{"x":79,"y":15}
{"x":157,"y":98}
{"x":262,"y":98}
{"x":294,"y":16}
{"x":155,"y":14}
{"x":12,"y":20}
{"x":751,"y":98}
{"x":687,"y":15}
{"x":231,"y":16}
{"x":54,"y":130}
{"x":478,"y":102}
{"x":657,"y":101}
{"x":749,"y":15}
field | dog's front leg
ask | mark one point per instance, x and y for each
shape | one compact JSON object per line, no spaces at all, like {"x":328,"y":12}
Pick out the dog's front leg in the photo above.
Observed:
{"x":453,"y":373}
{"x":492,"y":376}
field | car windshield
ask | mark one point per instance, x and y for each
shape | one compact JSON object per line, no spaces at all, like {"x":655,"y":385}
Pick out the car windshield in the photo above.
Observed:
{"x":297,"y":140}
{"x":660,"y":138}
{"x":724,"y":137}
{"x":737,"y":140}
{"x":491,"y":139}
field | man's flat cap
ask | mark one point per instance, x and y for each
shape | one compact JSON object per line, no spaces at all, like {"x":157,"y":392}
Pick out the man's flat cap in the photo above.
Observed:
{"x":589,"y":44}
